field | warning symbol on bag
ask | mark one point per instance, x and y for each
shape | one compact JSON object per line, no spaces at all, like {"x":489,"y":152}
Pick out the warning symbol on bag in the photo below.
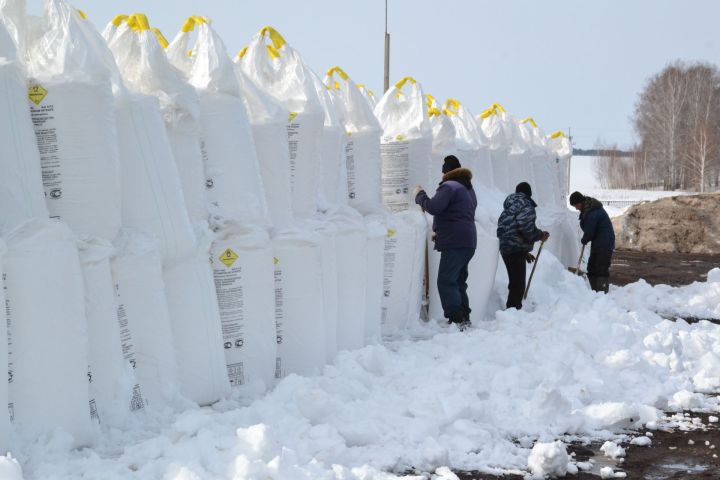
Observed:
{"x":391,"y":232}
{"x":36,"y":94}
{"x":292,"y":116}
{"x":228,"y":257}
{"x":275,"y":261}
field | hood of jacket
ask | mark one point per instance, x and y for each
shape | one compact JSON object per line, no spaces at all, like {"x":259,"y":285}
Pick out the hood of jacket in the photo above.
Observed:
{"x":460,"y":175}
{"x":517,"y":198}
{"x":590,"y":204}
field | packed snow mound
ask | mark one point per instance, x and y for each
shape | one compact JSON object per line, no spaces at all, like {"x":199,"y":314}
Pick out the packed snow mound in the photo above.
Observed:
{"x":680,"y":224}
{"x":548,"y":460}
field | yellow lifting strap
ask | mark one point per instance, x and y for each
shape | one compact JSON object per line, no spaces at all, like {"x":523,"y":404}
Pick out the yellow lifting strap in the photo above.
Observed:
{"x":82,"y":14}
{"x":494,"y":109}
{"x":341,"y":73}
{"x":242,"y":52}
{"x":451,"y":106}
{"x":160,"y":37}
{"x":190,"y":23}
{"x":118,"y":19}
{"x":401,"y":83}
{"x":138,"y":22}
{"x":529,"y":120}
{"x":558,"y":134}
{"x":277,"y":40}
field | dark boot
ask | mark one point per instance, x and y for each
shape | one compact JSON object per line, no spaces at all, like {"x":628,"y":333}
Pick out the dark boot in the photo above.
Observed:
{"x":602,"y":284}
{"x":460,"y":318}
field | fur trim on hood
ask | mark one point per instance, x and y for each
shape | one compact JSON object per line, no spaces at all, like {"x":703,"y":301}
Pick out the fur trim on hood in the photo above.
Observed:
{"x":460,"y":175}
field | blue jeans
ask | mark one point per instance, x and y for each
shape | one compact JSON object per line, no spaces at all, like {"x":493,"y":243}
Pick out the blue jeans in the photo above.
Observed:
{"x":452,"y":281}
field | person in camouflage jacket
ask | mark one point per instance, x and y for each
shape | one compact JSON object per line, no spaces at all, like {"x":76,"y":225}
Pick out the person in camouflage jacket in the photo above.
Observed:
{"x":518,"y":233}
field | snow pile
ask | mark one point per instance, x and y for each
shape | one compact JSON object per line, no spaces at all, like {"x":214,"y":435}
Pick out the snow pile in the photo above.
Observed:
{"x":612,"y":450}
{"x":548,"y":459}
{"x":574,"y":362}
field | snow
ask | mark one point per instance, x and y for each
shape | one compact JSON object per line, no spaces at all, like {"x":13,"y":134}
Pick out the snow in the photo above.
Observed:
{"x":641,"y":441}
{"x":572,"y":362}
{"x":548,"y":459}
{"x":612,"y":450}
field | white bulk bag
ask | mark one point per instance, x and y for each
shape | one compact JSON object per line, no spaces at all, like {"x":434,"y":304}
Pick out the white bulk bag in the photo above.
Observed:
{"x":402,"y":283}
{"x":4,"y":416}
{"x":71,"y":103}
{"x":406,"y":146}
{"x":560,"y":145}
{"x":111,"y":28}
{"x":362,"y":150}
{"x":269,"y":128}
{"x":153,"y":199}
{"x":375,"y":260}
{"x":112,"y":379}
{"x":21,"y":188}
{"x":332,"y":185}
{"x":351,"y":245}
{"x":195,"y":320}
{"x":443,"y":140}
{"x":326,"y":233}
{"x":368,"y":95}
{"x":234,"y":186}
{"x":45,"y":303}
{"x":145,"y":69}
{"x":545,"y":184}
{"x":242,"y":261}
{"x":472,"y":145}
{"x":564,"y":241}
{"x":299,"y":315}
{"x":481,"y":277}
{"x":279,"y":70}
{"x":500,"y":129}
{"x":146,"y":333}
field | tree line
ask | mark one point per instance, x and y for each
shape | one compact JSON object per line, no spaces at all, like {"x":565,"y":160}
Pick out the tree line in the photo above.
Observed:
{"x":677,"y":121}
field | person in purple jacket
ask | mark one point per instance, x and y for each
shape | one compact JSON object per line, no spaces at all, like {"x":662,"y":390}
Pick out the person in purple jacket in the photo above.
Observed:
{"x":453,"y":210}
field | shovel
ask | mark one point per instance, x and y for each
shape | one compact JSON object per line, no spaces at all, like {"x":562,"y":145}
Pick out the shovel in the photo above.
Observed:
{"x":577,"y":270}
{"x":537,"y":259}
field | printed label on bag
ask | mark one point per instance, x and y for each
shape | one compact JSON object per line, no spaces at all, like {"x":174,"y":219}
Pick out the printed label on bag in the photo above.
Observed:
{"x":36,"y":94}
{"x":228,"y":257}
{"x":395,"y":175}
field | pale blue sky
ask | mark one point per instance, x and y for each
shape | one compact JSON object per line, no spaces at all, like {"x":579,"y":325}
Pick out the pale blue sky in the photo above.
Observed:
{"x":567,"y":63}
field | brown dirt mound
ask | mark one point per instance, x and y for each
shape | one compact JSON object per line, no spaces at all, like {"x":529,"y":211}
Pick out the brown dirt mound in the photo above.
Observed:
{"x":683,"y":224}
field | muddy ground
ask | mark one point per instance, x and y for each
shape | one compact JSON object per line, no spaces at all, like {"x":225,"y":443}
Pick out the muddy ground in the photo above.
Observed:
{"x":672,"y":456}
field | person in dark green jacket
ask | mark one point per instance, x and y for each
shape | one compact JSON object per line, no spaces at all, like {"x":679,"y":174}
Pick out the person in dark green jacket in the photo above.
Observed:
{"x":598,"y":231}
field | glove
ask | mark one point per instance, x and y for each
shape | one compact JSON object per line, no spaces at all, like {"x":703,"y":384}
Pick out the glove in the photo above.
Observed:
{"x":529,"y":257}
{"x":417,"y":190}
{"x":545,"y":236}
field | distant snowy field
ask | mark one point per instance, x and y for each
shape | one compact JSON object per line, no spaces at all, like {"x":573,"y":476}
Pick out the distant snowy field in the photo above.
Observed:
{"x":573,"y":364}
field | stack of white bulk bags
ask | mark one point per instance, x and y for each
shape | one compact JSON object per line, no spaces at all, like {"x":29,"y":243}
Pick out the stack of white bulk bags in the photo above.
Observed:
{"x":278,"y":69}
{"x":145,"y":69}
{"x":472,"y":145}
{"x":367,"y":94}
{"x":146,"y":333}
{"x":332,"y":184}
{"x":375,"y":261}
{"x":406,"y":146}
{"x":48,"y":332}
{"x":242,"y":260}
{"x":403,"y":270}
{"x":5,"y":415}
{"x":560,"y":145}
{"x":196,"y":324}
{"x":71,"y":103}
{"x":269,"y":122}
{"x":299,"y":314}
{"x":362,"y":151}
{"x":232,"y":174}
{"x":21,"y":189}
{"x":111,"y":380}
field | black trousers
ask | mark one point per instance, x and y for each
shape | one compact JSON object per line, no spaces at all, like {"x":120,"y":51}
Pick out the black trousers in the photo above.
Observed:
{"x":452,"y":282}
{"x":515,"y":263}
{"x":598,"y":269}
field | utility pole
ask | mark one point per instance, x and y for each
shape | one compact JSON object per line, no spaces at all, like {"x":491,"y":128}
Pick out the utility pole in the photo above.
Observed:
{"x":386,"y":83}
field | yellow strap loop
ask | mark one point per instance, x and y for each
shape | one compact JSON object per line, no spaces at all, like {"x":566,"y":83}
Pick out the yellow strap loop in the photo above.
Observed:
{"x":277,"y":40}
{"x":341,"y":73}
{"x":430,"y":100}
{"x":160,"y":37}
{"x":190,"y":23}
{"x":433,"y":112}
{"x":138,"y":22}
{"x":529,"y":120}
{"x":401,"y":83}
{"x":118,"y":19}
{"x":451,"y":107}
{"x":82,"y":14}
{"x":494,"y":109}
{"x":242,"y":52}
{"x":272,"y":51}
{"x":499,"y":107}
{"x":558,"y":134}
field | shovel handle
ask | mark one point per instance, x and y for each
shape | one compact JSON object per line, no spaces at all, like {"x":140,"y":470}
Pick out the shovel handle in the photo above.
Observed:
{"x":582,"y":253}
{"x":532,"y":272}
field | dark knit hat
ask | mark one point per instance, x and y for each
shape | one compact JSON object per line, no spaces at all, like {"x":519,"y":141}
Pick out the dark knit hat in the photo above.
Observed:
{"x":451,"y":163}
{"x":524,"y":187}
{"x":576,"y":197}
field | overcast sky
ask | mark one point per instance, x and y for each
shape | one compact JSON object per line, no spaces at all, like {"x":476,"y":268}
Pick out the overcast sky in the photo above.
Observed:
{"x":567,"y":63}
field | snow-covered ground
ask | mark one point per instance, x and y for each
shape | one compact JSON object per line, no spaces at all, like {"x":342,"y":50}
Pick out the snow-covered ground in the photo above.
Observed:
{"x":572,"y":363}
